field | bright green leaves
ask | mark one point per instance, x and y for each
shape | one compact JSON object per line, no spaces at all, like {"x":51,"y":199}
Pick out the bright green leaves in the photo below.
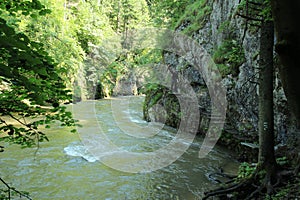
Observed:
{"x":57,"y":30}
{"x":167,"y":13}
{"x":266,"y":12}
{"x":26,"y":137}
{"x":245,"y":170}
{"x":23,"y":64}
{"x":24,"y":7}
{"x":31,"y":87}
{"x":128,"y":14}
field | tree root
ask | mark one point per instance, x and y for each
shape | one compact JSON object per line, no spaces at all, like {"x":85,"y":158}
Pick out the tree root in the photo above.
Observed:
{"x":248,"y":189}
{"x":227,"y":190}
{"x":230,"y":178}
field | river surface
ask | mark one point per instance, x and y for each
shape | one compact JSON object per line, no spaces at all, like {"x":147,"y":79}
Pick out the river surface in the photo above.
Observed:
{"x":65,"y":169}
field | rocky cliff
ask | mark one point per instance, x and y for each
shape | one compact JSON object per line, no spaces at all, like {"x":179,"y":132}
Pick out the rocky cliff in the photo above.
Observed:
{"x":233,"y":43}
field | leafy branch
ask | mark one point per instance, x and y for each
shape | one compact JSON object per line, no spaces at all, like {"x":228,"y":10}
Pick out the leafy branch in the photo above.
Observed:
{"x":31,"y":89}
{"x":11,"y":190}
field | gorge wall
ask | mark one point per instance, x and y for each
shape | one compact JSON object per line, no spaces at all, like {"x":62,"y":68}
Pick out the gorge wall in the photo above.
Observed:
{"x":234,"y":47}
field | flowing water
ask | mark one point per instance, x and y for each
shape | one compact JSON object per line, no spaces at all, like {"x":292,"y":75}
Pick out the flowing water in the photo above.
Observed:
{"x":65,"y":169}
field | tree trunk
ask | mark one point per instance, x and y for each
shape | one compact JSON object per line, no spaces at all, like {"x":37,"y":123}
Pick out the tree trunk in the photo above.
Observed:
{"x":286,"y":15}
{"x":266,"y":157}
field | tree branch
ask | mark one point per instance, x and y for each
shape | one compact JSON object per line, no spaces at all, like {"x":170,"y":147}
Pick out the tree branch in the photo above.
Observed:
{"x":249,"y":18}
{"x":13,"y":189}
{"x":255,"y":3}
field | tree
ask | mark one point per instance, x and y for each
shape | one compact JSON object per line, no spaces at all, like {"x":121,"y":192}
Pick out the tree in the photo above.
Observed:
{"x":127,"y":14}
{"x":266,"y":172}
{"x":286,"y":15}
{"x":29,"y":80}
{"x":266,"y":157}
{"x":31,"y":89}
{"x":168,"y":12}
{"x":59,"y":28}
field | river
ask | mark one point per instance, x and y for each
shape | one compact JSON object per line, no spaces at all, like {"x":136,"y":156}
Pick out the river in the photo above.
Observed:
{"x":65,"y":169}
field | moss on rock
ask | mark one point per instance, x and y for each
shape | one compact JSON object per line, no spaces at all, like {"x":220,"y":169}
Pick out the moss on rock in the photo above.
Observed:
{"x":229,"y":56}
{"x":161,"y":106}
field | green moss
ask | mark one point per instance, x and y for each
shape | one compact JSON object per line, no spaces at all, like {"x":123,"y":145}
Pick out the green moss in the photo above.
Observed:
{"x":195,"y":15}
{"x":154,"y":92}
{"x":227,"y":28}
{"x":228,"y":57}
{"x":224,"y":26}
{"x":158,"y":94}
{"x":172,"y":106}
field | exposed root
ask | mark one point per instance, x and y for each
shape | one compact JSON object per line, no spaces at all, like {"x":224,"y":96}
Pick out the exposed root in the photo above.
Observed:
{"x":252,"y":188}
{"x":265,"y":186}
{"x":229,"y":178}
{"x":227,"y":190}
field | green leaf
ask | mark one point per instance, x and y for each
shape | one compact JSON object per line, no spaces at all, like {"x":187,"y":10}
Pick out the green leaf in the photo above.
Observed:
{"x":42,"y":71}
{"x":45,"y":12}
{"x":73,"y":131}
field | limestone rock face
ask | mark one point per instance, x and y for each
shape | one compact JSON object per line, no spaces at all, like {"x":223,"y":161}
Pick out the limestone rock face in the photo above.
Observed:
{"x":223,"y":24}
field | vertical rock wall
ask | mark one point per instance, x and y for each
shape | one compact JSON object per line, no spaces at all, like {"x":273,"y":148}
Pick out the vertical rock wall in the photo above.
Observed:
{"x":223,"y":24}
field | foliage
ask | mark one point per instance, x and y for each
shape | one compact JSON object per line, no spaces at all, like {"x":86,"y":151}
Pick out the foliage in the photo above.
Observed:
{"x":76,"y":93}
{"x":110,"y":76}
{"x":290,"y":190}
{"x":150,"y":87}
{"x":90,"y":25}
{"x":257,"y":9}
{"x":282,"y":161}
{"x":29,"y":80}
{"x":224,"y":26}
{"x":228,"y":57}
{"x":127,"y":14}
{"x":281,"y":194}
{"x":131,"y":63}
{"x":266,"y":12}
{"x":108,"y":54}
{"x":32,"y":76}
{"x":154,"y":93}
{"x":227,"y":29}
{"x":254,"y":12}
{"x":246,"y":170}
{"x":14,"y":8}
{"x":194,"y":17}
{"x":167,"y":13}
{"x":59,"y":29}
{"x":10,"y":192}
